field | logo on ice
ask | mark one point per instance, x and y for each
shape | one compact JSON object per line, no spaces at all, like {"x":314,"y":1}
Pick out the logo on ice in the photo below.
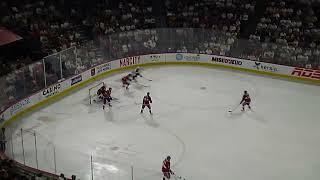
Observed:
{"x":264,"y":67}
{"x":129,"y":61}
{"x":226,"y":61}
{"x":308,"y":73}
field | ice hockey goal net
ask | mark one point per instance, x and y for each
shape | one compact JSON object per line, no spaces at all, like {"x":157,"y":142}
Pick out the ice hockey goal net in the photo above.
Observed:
{"x":93,"y":91}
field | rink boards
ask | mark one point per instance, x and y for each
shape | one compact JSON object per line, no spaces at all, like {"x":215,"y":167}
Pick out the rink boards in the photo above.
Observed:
{"x":58,"y":90}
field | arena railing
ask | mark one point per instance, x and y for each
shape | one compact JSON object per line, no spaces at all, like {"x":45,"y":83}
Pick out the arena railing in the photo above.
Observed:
{"x":30,"y":79}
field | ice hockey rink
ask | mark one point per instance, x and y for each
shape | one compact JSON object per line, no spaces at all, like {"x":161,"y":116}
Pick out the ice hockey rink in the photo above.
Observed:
{"x":279,"y":139}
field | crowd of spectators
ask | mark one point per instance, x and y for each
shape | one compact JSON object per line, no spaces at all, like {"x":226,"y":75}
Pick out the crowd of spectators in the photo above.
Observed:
{"x":126,"y":15}
{"x":287,"y":33}
{"x":55,"y":24}
{"x":290,"y":32}
{"x":287,"y":29}
{"x":50,"y":22}
{"x":222,"y":17}
{"x":58,"y":25}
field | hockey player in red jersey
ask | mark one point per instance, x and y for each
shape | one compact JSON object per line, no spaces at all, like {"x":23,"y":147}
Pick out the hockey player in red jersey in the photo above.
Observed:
{"x":101,"y":91}
{"x":107,"y":97}
{"x":126,"y":81}
{"x":245,"y":100}
{"x":166,"y":169}
{"x":146,"y":102}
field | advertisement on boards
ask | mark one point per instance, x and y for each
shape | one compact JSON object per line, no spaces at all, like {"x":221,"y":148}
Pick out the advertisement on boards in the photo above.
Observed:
{"x":52,"y":90}
{"x":306,"y":73}
{"x":76,"y":80}
{"x":187,"y":57}
{"x":19,"y":106}
{"x":265,"y":67}
{"x":155,"y":57}
{"x":103,"y":68}
{"x":129,"y":61}
{"x":225,"y":60}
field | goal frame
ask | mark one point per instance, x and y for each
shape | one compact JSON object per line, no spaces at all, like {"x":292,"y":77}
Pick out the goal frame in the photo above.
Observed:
{"x":92,"y":93}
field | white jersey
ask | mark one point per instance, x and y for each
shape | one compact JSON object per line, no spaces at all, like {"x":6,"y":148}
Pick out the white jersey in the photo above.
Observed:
{"x":136,"y":71}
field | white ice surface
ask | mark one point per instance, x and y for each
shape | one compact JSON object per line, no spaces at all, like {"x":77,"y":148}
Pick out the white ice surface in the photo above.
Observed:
{"x":278,"y":140}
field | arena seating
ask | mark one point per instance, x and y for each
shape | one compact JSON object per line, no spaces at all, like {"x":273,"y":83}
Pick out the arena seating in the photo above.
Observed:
{"x":223,"y":17}
{"x":284,"y":32}
{"x":290,"y":32}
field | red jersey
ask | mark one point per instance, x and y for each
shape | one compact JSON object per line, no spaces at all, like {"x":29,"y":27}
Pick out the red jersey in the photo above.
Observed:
{"x":147,"y":100}
{"x":246,"y":98}
{"x":101,"y":90}
{"x":126,"y":78}
{"x":107,"y":93}
{"x":166,"y":166}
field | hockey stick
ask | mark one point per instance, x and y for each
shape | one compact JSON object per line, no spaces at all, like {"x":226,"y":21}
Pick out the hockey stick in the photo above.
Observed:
{"x":236,"y":107}
{"x":146,"y":78}
{"x":142,"y":85}
{"x":115,"y":99}
{"x":177,"y":177}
